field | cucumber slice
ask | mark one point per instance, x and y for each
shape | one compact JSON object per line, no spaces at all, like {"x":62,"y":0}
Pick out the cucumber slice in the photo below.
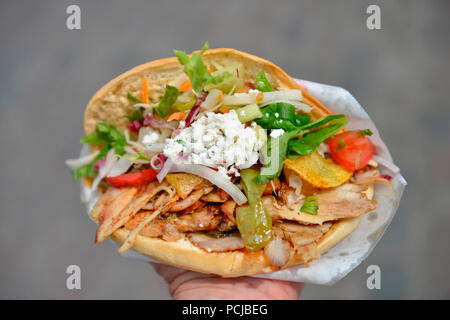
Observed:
{"x":249,"y":113}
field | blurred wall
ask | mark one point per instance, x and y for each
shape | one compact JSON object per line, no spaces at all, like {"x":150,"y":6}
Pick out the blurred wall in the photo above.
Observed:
{"x":48,"y":73}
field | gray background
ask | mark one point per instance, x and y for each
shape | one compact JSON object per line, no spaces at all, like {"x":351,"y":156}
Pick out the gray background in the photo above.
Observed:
{"x":48,"y":73}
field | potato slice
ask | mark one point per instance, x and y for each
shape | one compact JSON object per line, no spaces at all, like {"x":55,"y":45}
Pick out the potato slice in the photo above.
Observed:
{"x":184,"y":183}
{"x":319,"y":172}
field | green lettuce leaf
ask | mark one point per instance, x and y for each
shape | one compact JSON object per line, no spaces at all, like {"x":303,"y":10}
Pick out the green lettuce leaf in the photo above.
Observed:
{"x":311,"y":141}
{"x":310,"y":205}
{"x":282,"y":116}
{"x":167,"y":101}
{"x":107,"y":136}
{"x":133,"y":98}
{"x":196,"y":70}
{"x":136,"y":115}
{"x":262,"y":83}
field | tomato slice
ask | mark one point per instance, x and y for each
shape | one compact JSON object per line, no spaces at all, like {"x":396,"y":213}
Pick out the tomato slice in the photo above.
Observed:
{"x":131,"y":179}
{"x":351,"y":149}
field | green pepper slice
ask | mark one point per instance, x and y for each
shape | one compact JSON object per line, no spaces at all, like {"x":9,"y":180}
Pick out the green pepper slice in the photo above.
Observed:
{"x":254,"y":222}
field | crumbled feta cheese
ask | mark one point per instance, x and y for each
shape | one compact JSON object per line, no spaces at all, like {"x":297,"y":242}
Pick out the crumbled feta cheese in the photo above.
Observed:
{"x":276,"y":133}
{"x":219,"y":141}
{"x":150,"y":137}
{"x":277,"y":115}
{"x":182,"y":124}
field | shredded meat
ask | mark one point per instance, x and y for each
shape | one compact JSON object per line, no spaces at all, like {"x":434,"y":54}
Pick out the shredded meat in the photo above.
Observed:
{"x":159,"y":210}
{"x":204,"y":219}
{"x":272,"y":186}
{"x":290,"y":196}
{"x":158,"y":228}
{"x":302,"y":238}
{"x":226,"y":224}
{"x":221,"y":244}
{"x":117,"y":206}
{"x":217,"y":196}
{"x":190,"y":200}
{"x":348,"y":200}
{"x":298,"y":234}
{"x":278,"y":252}
{"x":146,"y":211}
{"x":193,"y":208}
{"x":228,"y":208}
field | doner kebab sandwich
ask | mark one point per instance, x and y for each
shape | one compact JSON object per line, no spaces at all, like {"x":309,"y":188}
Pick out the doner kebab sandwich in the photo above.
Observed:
{"x":219,"y":162}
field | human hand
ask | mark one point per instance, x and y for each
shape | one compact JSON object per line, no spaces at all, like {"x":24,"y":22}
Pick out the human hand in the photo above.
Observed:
{"x":189,"y":285}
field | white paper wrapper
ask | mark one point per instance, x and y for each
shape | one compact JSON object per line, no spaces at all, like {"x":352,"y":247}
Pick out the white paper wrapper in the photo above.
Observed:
{"x":348,"y":254}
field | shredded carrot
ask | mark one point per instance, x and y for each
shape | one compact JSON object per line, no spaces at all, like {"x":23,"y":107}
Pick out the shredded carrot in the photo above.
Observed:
{"x":144,"y":92}
{"x":186,"y":86}
{"x":224,"y":110}
{"x":241,"y":91}
{"x":219,"y":98}
{"x":177,"y":116}
{"x":259,"y":97}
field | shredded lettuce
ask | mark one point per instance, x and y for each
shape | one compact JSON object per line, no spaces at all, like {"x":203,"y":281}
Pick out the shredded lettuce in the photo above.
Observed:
{"x":311,"y":141}
{"x":136,"y":115}
{"x":282,"y":116}
{"x":105,"y":135}
{"x":196,"y":70}
{"x":170,"y":96}
{"x":310,"y":205}
{"x":87,"y":170}
{"x":262,"y":83}
{"x":133,"y":98}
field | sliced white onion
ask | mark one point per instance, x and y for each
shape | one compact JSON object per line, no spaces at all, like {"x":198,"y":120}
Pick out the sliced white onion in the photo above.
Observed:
{"x":77,"y":163}
{"x":121,"y":166}
{"x":294,"y":94}
{"x":156,"y":147}
{"x":110,"y":160}
{"x":212,"y":99}
{"x":156,"y":162}
{"x":165,"y":169}
{"x":297,"y":104}
{"x":389,"y":165}
{"x":135,"y":144}
{"x":241,"y":99}
{"x":302,"y":106}
{"x":212,"y":176}
{"x":143,"y":131}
